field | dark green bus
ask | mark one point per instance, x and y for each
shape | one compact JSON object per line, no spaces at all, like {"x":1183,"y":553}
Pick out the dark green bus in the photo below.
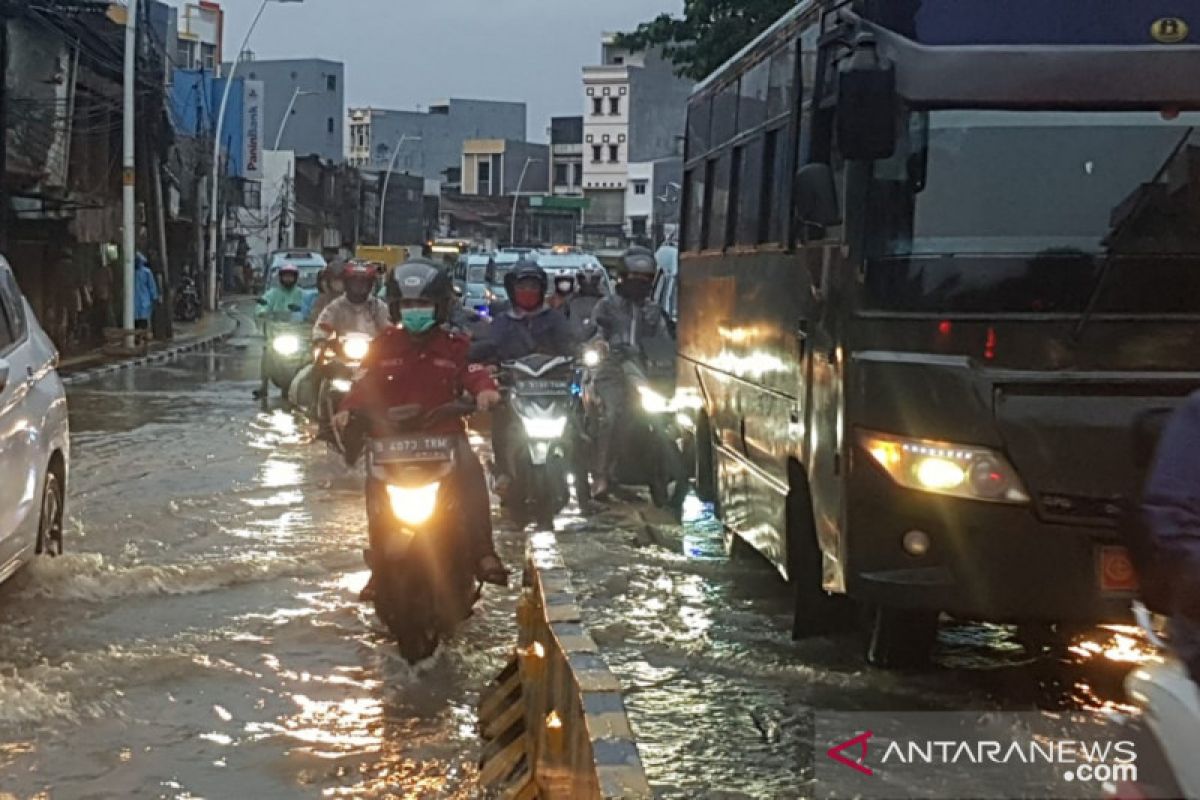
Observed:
{"x":938,"y":261}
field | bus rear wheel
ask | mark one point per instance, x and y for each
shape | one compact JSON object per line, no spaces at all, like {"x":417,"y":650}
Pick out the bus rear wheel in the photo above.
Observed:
{"x":900,"y":638}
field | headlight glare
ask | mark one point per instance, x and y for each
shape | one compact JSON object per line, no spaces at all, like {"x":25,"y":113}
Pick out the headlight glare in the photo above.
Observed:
{"x":340,"y":385}
{"x":544,"y":427}
{"x":355,"y":348}
{"x":591,"y":357}
{"x":286,"y":344}
{"x":653,"y":402}
{"x":967,"y":471}
{"x":413,"y":506}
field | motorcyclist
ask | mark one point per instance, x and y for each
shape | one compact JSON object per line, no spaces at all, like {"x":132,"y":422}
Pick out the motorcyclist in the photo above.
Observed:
{"x":422,"y":363}
{"x":623,"y":321}
{"x":529,"y":326}
{"x":1170,"y":509}
{"x":564,"y":292}
{"x":357,"y":310}
{"x":284,"y":300}
{"x":331,"y":287}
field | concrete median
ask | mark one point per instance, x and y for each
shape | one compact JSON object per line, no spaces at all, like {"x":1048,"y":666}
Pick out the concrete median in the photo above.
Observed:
{"x":554,"y":720}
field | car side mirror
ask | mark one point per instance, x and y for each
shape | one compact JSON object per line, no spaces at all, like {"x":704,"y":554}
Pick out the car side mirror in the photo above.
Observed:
{"x":816,"y":195}
{"x":4,"y":369}
{"x":867,"y":104}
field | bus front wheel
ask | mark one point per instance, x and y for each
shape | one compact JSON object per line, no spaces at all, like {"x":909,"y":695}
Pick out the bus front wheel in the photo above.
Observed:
{"x":816,"y":611}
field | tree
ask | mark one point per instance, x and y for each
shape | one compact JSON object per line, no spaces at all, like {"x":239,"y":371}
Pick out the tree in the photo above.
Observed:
{"x":708,"y":34}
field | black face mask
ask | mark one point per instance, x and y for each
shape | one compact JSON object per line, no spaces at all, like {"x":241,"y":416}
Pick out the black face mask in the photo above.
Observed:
{"x":357,"y":293}
{"x":635,"y":290}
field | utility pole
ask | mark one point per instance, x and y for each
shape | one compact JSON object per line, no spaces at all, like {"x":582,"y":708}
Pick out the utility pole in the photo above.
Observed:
{"x":128,"y":172}
{"x":404,"y":137}
{"x":512,"y":229}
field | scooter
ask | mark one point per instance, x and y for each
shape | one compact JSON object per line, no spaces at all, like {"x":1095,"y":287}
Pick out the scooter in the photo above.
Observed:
{"x":286,"y":351}
{"x":338,"y":362}
{"x":541,"y":445}
{"x":424,"y":580}
{"x":652,"y":443}
{"x":187,"y":301}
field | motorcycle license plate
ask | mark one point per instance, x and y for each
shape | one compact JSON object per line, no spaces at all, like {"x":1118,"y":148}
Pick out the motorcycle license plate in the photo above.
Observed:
{"x":407,"y":449}
{"x":543,"y":387}
{"x":1114,"y":570}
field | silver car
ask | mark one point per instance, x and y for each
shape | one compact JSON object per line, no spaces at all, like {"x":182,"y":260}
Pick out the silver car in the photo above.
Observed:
{"x":34,"y":454}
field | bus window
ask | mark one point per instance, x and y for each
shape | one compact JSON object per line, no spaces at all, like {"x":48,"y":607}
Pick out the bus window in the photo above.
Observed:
{"x":775,"y":183}
{"x":781,"y":94}
{"x":706,"y":231}
{"x":752,"y":97}
{"x":725,"y":107}
{"x":694,"y":189}
{"x":735,"y":175}
{"x":749,"y":191}
{"x":699,"y":117}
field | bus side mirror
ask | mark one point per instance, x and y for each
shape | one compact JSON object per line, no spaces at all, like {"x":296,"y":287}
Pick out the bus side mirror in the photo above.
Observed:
{"x":867,"y":104}
{"x":816,"y":195}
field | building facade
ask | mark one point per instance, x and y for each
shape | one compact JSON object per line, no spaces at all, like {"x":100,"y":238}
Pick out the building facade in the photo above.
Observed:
{"x":315,"y":91}
{"x":565,"y":171}
{"x":634,"y":110}
{"x":200,"y":30}
{"x":499,"y":167}
{"x":432,"y":139}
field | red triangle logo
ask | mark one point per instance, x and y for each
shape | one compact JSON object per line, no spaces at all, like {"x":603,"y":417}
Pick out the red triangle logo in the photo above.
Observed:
{"x":860,"y":742}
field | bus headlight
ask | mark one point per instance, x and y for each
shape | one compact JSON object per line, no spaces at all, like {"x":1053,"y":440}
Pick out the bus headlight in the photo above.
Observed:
{"x":544,"y":427}
{"x":355,"y":348}
{"x":413,"y":506}
{"x":976,"y":473}
{"x":286,"y":344}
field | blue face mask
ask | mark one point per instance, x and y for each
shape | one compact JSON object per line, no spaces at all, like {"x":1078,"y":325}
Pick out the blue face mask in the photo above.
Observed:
{"x":418,"y":320}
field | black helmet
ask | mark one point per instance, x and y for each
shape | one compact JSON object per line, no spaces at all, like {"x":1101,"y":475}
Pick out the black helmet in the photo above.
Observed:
{"x":525,"y":269}
{"x":638,"y":261}
{"x":419,"y":279}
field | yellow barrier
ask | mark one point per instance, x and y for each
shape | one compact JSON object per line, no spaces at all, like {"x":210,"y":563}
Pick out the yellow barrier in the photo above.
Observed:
{"x":554,"y":720}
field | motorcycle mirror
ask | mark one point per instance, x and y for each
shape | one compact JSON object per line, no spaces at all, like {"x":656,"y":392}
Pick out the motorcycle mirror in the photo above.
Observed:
{"x":293,"y":308}
{"x":261,"y":301}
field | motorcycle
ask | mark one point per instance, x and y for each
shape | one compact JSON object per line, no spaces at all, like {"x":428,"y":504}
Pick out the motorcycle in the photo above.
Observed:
{"x":338,"y":361}
{"x":286,"y":351}
{"x":652,"y":444}
{"x":541,"y":447}
{"x":424,"y":580}
{"x":1165,"y":725}
{"x":187,"y":301}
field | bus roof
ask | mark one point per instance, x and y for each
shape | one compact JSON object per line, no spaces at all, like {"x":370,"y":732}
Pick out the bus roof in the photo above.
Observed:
{"x":791,"y":16}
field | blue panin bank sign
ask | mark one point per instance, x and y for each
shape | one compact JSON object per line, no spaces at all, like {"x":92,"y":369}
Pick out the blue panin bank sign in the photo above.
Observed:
{"x":252,"y":136}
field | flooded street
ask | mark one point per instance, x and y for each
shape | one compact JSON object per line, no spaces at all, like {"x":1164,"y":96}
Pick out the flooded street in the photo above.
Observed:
{"x":202,"y":637}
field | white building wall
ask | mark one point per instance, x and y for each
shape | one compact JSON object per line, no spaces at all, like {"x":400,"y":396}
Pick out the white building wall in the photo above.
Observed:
{"x":605,"y":129}
{"x":640,"y":205}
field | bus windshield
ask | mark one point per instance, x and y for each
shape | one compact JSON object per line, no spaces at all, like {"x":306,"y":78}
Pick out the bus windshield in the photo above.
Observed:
{"x":1016,"y":182}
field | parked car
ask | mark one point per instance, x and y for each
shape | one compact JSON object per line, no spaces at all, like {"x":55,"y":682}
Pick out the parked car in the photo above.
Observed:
{"x":34,"y":453}
{"x":474,"y":276}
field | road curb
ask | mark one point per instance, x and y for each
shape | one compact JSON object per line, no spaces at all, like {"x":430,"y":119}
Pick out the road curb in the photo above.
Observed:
{"x":158,"y":356}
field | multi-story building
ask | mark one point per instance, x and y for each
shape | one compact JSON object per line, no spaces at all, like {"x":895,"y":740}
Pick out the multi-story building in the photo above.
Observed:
{"x":314,"y":90}
{"x":652,"y":200}
{"x":634,"y":107}
{"x":432,"y":139}
{"x":565,"y":169}
{"x":498,"y":167}
{"x":201,"y":27}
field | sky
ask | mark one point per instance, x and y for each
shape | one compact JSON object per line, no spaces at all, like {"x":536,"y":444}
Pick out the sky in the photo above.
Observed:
{"x":407,"y":53}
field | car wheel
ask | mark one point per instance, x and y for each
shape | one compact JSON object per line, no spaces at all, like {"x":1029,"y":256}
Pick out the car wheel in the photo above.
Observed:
{"x":50,"y":528}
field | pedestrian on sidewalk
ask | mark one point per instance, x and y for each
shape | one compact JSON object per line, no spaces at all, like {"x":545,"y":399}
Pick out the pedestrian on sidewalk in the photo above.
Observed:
{"x":146,"y":294}
{"x":102,"y":295}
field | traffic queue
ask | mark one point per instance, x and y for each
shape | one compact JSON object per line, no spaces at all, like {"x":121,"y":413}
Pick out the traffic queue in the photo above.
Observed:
{"x":575,"y":370}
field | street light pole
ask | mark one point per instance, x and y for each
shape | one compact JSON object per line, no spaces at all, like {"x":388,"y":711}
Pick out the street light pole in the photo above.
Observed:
{"x":287,"y":115}
{"x":387,"y":178}
{"x":128,"y":173}
{"x":216,"y":165}
{"x":512,"y":228}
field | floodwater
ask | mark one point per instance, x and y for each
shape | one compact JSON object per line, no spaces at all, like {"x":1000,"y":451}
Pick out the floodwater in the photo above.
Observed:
{"x":202,"y":636}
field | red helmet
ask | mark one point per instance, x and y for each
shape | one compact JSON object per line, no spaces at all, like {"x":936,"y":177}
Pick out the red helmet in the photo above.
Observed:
{"x":358,"y":269}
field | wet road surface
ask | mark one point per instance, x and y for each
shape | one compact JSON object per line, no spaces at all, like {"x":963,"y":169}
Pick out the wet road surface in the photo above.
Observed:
{"x":202,"y":638}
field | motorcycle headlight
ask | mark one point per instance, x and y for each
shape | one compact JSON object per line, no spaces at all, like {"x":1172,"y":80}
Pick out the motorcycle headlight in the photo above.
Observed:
{"x":975,"y":473}
{"x":340,"y":385}
{"x":286,"y":344}
{"x":355,"y":348}
{"x":413,"y":506}
{"x":653,"y":402}
{"x":591,"y":357}
{"x":544,"y":427}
